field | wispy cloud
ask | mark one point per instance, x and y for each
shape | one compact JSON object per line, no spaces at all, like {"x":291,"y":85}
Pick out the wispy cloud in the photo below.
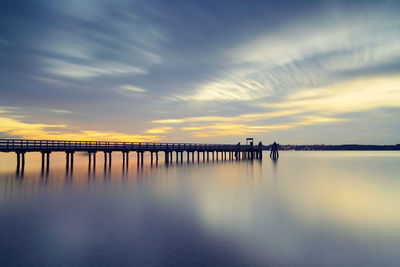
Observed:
{"x":241,"y":118}
{"x":14,"y":128}
{"x":133,"y":88}
{"x":159,"y":130}
{"x":83,"y":71}
{"x":228,"y":90}
{"x":349,"y":96}
{"x":305,"y":107}
{"x":226,"y":129}
{"x":301,"y":54}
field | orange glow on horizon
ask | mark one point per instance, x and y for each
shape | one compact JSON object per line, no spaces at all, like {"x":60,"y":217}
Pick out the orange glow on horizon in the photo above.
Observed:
{"x":13,"y":127}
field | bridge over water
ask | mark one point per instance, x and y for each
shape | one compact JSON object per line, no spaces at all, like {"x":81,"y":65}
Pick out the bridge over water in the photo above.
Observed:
{"x":46,"y":147}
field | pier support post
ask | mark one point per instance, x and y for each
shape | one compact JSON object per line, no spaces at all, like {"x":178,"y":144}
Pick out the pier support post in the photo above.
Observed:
{"x":47,"y":161}
{"x":125,"y":159}
{"x":90,"y":159}
{"x":18,"y":159}
{"x":20,"y":163}
{"x":42,"y":161}
{"x":67,"y":160}
{"x":166,"y":156}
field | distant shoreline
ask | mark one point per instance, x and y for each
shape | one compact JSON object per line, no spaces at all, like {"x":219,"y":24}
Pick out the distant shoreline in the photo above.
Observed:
{"x":349,"y":147}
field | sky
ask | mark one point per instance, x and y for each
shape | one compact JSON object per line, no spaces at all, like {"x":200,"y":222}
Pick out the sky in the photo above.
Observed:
{"x":298,"y":72}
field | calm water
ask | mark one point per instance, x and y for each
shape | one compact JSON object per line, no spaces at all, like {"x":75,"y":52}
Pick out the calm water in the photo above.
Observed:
{"x":306,"y":209}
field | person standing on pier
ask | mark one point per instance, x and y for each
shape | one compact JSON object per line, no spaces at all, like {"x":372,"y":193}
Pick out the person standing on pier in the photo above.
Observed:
{"x":274,"y":151}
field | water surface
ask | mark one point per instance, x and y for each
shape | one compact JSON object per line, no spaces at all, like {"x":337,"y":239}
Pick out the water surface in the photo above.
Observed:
{"x":306,"y":209}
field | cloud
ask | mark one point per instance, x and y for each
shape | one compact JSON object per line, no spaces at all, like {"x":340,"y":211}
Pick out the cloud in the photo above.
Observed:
{"x":159,"y":130}
{"x":133,"y":88}
{"x":321,"y":104}
{"x":334,"y":33}
{"x":14,"y":128}
{"x":83,"y":71}
{"x":355,"y":95}
{"x":226,"y":129}
{"x":305,"y":52}
{"x":241,"y":118}
{"x":225,"y":90}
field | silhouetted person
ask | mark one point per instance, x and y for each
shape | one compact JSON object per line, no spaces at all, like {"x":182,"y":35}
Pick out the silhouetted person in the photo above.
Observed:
{"x":274,"y":151}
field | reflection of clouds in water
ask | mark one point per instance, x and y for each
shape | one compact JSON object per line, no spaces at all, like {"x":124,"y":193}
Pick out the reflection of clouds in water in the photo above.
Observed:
{"x":355,"y":199}
{"x":312,"y":197}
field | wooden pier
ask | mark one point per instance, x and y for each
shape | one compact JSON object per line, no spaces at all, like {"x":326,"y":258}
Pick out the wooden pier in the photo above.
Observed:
{"x":193,"y":151}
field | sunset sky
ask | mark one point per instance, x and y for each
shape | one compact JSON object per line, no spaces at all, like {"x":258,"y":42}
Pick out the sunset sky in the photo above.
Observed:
{"x":201,"y":71}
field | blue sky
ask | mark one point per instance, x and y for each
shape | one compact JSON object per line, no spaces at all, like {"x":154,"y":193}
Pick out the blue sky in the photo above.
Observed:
{"x":201,"y":71}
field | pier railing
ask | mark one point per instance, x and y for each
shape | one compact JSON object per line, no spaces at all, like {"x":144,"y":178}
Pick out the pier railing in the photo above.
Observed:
{"x":8,"y":145}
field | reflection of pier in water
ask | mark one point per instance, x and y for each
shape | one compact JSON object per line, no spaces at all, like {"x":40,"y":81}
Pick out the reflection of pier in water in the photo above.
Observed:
{"x":172,"y":152}
{"x":33,"y":182}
